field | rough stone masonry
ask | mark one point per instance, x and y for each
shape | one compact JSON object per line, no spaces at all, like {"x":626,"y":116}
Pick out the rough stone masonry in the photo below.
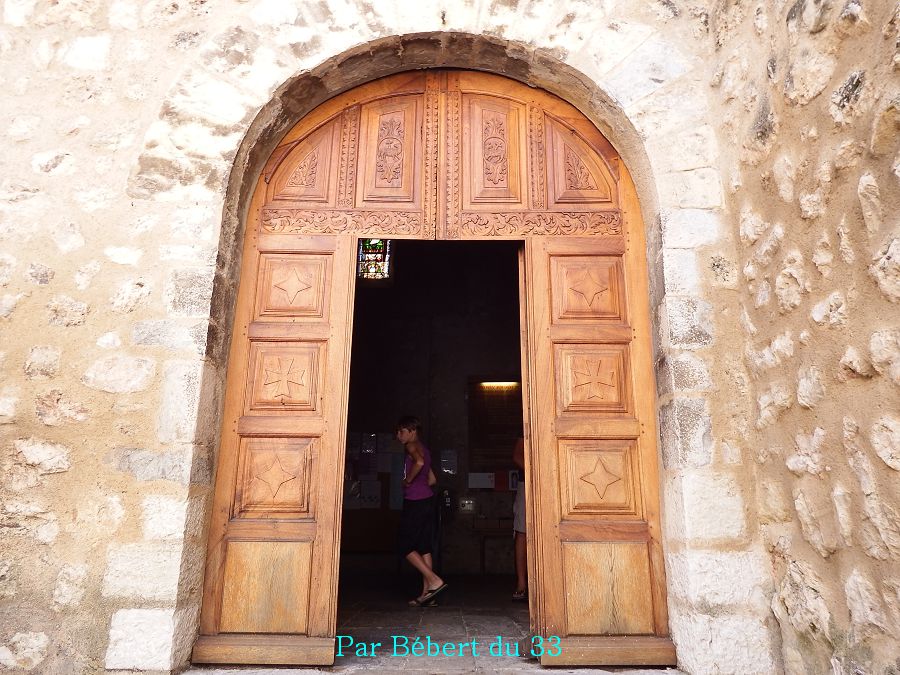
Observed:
{"x":763,"y":137}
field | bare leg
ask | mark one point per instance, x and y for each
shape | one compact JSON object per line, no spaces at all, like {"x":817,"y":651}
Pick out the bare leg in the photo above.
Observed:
{"x":430,"y":579}
{"x":521,"y":562}
{"x":429,"y":562}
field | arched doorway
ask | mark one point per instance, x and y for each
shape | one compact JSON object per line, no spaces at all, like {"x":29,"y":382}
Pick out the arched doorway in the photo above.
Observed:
{"x":441,"y":155}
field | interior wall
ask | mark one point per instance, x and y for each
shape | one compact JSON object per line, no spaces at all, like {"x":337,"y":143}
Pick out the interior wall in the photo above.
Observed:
{"x":451,"y":313}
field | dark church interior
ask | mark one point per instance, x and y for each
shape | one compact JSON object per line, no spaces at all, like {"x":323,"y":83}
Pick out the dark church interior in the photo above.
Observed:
{"x":439,"y":339}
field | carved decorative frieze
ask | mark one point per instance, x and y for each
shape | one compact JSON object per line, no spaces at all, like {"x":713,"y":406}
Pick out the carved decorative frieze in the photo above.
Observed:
{"x":389,"y":151}
{"x":539,"y":223}
{"x":347,"y":169}
{"x":454,"y":136}
{"x":432,"y":119}
{"x":307,"y":221}
{"x":538,"y":158}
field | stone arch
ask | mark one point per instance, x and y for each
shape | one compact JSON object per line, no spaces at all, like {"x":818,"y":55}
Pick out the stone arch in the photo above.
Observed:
{"x":643,"y":97}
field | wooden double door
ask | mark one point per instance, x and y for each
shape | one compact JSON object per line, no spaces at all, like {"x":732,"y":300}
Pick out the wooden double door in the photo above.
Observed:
{"x":441,"y":155}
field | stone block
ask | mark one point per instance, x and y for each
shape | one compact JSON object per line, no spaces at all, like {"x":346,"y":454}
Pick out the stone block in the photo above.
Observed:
{"x":693,"y":148}
{"x":144,"y":464}
{"x":686,"y":430}
{"x":689,"y":493}
{"x":732,"y":644}
{"x":177,"y":421}
{"x":8,"y":402}
{"x":648,"y":68}
{"x":682,"y":274}
{"x":684,"y":372}
{"x":885,"y":438}
{"x":736,"y":579}
{"x":695,"y":189}
{"x":26,"y":651}
{"x":45,"y":457}
{"x":686,"y":322}
{"x":171,"y":334}
{"x":54,"y":409}
{"x":189,"y":292}
{"x":120,"y":374}
{"x":66,"y":311}
{"x":129,"y":295}
{"x":164,"y":517}
{"x":885,"y":269}
{"x":42,"y":362}
{"x":88,"y":53}
{"x":691,"y":228}
{"x":146,"y":571}
{"x":884,"y":348}
{"x":810,"y":389}
{"x":141,"y":639}
{"x":69,"y":588}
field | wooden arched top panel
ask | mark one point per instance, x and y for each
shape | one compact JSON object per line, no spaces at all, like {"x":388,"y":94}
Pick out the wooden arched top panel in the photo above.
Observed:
{"x":443,"y":154}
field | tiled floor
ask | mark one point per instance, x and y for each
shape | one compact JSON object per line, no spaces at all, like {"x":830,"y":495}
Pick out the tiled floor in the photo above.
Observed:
{"x":475,"y":609}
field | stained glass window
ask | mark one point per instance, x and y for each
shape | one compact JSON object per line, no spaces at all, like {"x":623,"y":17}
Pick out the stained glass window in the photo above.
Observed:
{"x":374,"y":259}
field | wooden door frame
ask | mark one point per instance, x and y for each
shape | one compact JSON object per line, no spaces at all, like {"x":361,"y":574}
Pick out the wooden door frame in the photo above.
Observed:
{"x":351,"y":225}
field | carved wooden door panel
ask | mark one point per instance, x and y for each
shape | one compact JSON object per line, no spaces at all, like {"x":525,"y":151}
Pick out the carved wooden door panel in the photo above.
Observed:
{"x":353,"y":166}
{"x":599,"y":566}
{"x":522,"y":164}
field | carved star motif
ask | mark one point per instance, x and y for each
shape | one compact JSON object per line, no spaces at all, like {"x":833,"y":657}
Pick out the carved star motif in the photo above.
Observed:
{"x":292,"y":285}
{"x":284,"y":377}
{"x":593,"y":378}
{"x":588,"y":286}
{"x":275,"y":476}
{"x":600,"y":477}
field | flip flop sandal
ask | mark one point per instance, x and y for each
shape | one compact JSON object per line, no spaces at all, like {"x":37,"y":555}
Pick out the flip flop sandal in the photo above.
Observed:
{"x":433,"y":593}
{"x":423,"y":602}
{"x":518,"y":596}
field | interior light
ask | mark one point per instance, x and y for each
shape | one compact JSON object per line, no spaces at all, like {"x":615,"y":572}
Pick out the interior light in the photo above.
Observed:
{"x":498,"y":385}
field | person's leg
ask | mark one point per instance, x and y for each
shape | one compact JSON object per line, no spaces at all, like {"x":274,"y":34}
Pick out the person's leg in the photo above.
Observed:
{"x":521,"y":562}
{"x":430,"y":579}
{"x":427,"y":559}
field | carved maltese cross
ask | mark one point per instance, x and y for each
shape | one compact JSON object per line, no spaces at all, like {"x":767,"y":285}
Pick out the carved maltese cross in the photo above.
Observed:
{"x":292,"y":285}
{"x":283,"y":378}
{"x":594,"y":379}
{"x":588,"y":286}
{"x":275,"y":476}
{"x":600,"y":477}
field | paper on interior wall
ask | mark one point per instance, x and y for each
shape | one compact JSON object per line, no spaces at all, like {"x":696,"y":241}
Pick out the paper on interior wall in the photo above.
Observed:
{"x":481,"y":480}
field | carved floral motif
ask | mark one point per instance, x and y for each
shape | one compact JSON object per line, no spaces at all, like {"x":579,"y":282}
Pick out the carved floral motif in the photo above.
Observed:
{"x":494,"y":148}
{"x":305,"y":173}
{"x":539,"y":223}
{"x":577,"y":175}
{"x":389,"y":153}
{"x":301,"y":221}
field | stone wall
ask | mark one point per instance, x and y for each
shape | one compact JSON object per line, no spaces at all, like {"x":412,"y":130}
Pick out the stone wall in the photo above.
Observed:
{"x":133,"y":132}
{"x":809,"y":96}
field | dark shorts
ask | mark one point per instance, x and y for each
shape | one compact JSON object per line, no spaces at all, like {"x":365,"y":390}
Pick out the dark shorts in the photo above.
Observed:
{"x":416,"y":526}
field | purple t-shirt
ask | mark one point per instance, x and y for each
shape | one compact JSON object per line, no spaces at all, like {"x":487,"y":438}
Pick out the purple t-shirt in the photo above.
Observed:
{"x":418,"y":489}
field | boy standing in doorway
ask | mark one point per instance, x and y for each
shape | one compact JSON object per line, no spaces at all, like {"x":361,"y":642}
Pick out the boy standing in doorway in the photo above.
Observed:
{"x":417,"y":517}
